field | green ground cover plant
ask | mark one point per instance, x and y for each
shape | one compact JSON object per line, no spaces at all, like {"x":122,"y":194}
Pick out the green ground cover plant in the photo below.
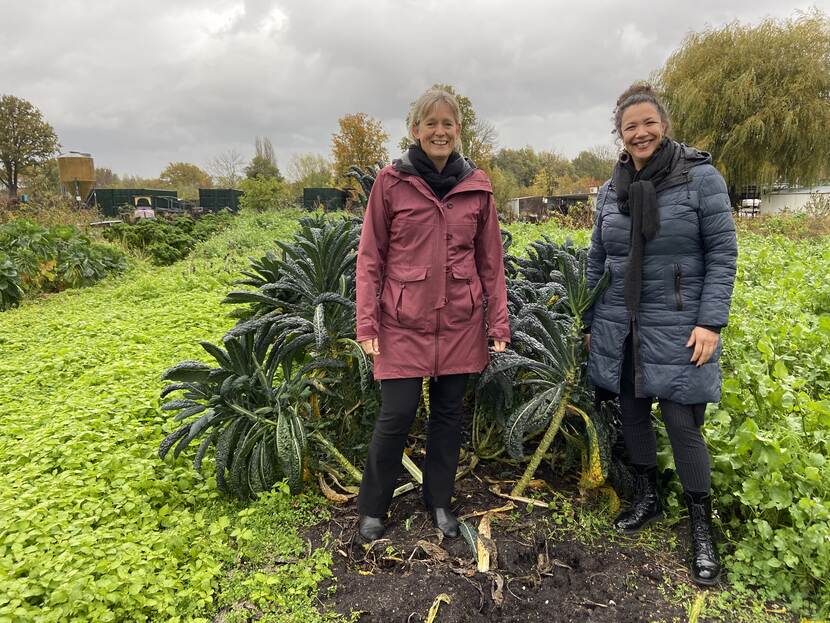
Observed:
{"x":273,"y":576}
{"x":95,"y":528}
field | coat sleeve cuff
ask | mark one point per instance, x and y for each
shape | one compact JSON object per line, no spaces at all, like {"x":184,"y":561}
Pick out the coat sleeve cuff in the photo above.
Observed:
{"x":503,"y":336}
{"x":366,"y":333}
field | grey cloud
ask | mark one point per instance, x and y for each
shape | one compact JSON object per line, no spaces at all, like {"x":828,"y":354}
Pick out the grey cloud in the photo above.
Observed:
{"x":143,"y":84}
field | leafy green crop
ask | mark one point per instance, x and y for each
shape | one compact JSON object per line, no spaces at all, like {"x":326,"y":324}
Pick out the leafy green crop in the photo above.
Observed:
{"x":770,"y":435}
{"x":276,"y":367}
{"x":39,"y":259}
{"x":167,"y":242}
{"x":10,"y":290}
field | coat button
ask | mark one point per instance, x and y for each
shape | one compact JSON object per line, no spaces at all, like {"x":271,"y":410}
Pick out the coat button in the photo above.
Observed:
{"x":449,"y":205}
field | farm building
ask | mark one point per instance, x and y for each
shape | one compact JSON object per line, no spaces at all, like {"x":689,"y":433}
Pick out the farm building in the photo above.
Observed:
{"x":539,"y":208}
{"x":793,"y":199}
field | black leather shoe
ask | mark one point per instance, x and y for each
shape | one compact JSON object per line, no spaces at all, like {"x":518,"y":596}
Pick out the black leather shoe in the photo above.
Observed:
{"x":445,"y":521}
{"x":645,"y":508}
{"x":705,"y":564}
{"x":371,"y":528}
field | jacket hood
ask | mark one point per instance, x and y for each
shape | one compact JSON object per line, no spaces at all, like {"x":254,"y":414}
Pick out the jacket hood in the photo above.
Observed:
{"x":685,"y":158}
{"x":692,"y":156}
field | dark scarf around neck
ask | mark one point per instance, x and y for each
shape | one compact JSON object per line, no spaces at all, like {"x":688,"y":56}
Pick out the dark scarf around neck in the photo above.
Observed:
{"x":440,"y":183}
{"x":637,"y":196}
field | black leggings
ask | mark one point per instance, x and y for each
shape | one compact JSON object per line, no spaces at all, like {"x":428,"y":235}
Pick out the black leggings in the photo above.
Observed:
{"x":691,"y":456}
{"x":399,"y":402}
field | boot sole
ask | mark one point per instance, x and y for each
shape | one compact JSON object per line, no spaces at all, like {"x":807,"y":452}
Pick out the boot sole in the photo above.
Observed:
{"x":645,"y":524}
{"x":702,"y":582}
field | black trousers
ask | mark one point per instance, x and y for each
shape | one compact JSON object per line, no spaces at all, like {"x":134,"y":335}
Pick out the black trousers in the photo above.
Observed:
{"x":399,"y":402}
{"x":691,"y":456}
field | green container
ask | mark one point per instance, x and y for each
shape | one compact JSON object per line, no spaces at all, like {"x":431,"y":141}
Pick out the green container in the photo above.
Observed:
{"x":330,"y":199}
{"x":215,"y":199}
{"x":110,"y":200}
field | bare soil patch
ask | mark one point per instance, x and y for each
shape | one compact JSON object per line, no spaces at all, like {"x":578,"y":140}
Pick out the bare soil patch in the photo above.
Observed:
{"x":542,"y":572}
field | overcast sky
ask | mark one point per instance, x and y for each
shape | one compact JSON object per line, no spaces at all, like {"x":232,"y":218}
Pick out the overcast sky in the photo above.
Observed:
{"x":142,"y":84}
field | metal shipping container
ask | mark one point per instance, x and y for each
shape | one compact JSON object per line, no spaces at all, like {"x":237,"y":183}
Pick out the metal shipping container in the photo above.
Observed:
{"x":329,"y":199}
{"x":110,"y":200}
{"x":215,"y":199}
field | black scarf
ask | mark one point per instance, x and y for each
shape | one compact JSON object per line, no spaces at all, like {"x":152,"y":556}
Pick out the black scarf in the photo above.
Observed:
{"x":440,"y":183}
{"x":637,"y":196}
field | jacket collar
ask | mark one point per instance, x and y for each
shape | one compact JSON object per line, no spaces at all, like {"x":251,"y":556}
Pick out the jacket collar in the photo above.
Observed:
{"x":471,"y":179}
{"x":686,"y":158}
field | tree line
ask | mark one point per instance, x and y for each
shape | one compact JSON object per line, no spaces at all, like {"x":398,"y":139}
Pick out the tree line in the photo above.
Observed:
{"x":756,"y":96}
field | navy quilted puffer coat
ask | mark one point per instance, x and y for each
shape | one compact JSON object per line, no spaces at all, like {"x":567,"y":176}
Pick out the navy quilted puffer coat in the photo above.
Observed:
{"x":688,"y":274}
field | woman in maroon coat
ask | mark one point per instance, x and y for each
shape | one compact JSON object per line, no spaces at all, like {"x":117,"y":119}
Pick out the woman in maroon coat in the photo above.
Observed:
{"x":430,"y":256}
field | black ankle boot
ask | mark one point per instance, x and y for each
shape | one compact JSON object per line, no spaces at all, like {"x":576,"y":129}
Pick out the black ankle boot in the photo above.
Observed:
{"x":445,"y":521}
{"x":645,"y":508}
{"x":705,"y":565}
{"x":371,"y":528}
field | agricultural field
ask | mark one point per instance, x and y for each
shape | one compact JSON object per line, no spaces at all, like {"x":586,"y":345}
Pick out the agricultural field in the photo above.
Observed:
{"x":97,"y":528}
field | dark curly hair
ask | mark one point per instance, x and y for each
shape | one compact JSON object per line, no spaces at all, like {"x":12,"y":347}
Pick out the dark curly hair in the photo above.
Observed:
{"x":639,"y":93}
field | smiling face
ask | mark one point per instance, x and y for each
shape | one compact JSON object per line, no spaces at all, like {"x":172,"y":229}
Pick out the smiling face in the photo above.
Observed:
{"x":642,"y":129}
{"x":437,"y":134}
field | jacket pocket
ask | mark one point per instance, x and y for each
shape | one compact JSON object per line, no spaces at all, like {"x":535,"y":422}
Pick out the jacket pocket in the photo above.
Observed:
{"x":606,"y":293}
{"x":464,"y":295}
{"x":404,"y":297}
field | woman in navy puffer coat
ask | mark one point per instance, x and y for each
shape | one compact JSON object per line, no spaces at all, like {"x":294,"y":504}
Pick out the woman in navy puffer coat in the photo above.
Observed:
{"x":664,"y":231}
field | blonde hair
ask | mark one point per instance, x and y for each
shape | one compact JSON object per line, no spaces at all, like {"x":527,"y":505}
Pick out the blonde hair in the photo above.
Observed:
{"x":425,"y":104}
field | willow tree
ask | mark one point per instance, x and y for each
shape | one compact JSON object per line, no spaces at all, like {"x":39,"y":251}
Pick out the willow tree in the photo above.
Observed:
{"x":756,"y":97}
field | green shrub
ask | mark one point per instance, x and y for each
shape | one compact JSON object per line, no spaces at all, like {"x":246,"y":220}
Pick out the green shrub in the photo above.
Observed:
{"x":53,"y":259}
{"x":263,"y":193}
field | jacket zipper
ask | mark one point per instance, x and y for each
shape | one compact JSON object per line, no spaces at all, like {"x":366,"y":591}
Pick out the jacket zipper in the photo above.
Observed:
{"x":635,"y":356}
{"x":678,"y":293}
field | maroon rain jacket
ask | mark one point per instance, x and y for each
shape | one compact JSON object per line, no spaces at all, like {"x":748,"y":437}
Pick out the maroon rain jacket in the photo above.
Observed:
{"x":424,"y":269}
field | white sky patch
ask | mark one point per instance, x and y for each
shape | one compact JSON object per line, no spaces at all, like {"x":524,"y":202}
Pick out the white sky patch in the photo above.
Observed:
{"x":635,"y":41}
{"x":274,"y":22}
{"x":214,"y":21}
